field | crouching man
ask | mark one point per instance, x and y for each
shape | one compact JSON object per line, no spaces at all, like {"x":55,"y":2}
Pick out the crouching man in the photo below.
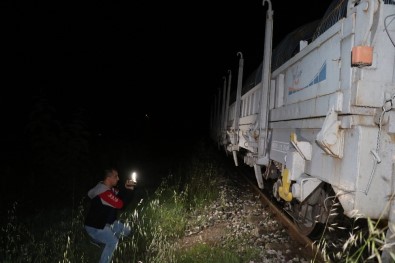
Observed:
{"x":101,"y":222}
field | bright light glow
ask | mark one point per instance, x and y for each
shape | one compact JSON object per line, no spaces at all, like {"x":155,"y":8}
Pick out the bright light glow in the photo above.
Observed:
{"x":134,"y":177}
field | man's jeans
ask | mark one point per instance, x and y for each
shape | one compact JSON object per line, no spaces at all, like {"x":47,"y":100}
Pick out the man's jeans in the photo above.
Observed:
{"x":109,"y":236}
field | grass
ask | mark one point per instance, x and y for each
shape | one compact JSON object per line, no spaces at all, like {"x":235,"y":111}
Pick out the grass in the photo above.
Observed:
{"x":365,"y":242}
{"x":207,"y":254}
{"x":158,"y":223}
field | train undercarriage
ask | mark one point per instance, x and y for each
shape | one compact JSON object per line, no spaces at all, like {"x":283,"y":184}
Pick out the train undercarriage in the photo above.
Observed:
{"x":318,"y":209}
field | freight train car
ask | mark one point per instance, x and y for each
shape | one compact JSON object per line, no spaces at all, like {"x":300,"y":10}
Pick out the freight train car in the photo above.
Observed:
{"x":317,"y":117}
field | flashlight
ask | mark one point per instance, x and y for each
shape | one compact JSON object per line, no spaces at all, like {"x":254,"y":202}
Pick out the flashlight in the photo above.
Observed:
{"x":134,"y":176}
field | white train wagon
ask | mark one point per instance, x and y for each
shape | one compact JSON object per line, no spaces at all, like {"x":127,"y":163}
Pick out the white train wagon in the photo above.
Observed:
{"x":317,"y":117}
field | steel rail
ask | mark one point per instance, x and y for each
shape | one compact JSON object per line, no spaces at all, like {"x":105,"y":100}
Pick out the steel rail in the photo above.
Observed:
{"x":311,"y":250}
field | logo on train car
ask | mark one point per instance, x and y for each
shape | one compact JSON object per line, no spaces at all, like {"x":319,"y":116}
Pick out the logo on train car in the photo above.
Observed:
{"x":297,"y":72}
{"x":279,"y":146}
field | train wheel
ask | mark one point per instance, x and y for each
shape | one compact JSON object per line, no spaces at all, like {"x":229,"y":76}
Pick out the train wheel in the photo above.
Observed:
{"x":305,"y":221}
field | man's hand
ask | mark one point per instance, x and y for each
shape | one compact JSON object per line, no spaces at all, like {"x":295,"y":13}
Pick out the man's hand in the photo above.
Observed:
{"x":129,"y":184}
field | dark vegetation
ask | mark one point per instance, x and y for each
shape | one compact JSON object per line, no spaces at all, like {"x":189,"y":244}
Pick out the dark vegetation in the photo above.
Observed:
{"x":53,"y":161}
{"x":52,"y":157}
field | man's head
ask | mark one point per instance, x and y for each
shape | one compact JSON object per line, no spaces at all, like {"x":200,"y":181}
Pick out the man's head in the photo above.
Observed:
{"x":111,"y":177}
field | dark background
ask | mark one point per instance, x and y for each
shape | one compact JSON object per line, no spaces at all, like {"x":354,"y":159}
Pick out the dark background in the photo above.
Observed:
{"x":128,"y":84}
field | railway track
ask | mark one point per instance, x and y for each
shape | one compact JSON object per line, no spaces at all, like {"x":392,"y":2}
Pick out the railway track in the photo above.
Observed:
{"x":327,"y":246}
{"x":333,"y":239}
{"x":311,"y":250}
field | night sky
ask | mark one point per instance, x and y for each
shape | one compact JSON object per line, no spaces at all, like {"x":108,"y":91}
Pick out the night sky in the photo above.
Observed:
{"x":132,"y":71}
